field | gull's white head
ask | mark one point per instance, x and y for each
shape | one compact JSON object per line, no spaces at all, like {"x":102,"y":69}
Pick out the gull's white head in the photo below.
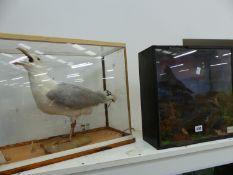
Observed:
{"x":32,"y":64}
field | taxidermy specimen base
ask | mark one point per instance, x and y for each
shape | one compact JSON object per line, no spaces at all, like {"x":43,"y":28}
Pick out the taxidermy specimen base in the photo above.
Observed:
{"x":54,"y":146}
{"x":2,"y":158}
{"x":36,"y":148}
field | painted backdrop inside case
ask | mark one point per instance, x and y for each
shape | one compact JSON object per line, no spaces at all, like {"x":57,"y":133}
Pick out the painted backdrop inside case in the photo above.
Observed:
{"x":195,"y":94}
{"x":59,"y":95}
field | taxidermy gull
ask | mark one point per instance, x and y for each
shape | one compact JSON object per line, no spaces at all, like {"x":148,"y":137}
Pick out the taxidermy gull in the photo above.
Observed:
{"x":60,"y":98}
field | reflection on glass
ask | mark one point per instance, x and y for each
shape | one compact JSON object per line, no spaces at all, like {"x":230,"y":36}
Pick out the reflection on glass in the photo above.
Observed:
{"x":195,"y":94}
{"x":89,"y":82}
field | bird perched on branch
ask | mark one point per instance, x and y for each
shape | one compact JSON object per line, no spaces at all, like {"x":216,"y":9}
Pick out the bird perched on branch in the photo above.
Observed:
{"x":60,"y":98}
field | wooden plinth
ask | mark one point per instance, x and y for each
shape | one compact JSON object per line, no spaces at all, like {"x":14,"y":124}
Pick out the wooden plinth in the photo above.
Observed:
{"x":32,"y":149}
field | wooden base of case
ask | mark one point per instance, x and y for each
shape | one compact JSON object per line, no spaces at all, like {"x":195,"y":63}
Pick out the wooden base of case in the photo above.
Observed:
{"x":33,"y":149}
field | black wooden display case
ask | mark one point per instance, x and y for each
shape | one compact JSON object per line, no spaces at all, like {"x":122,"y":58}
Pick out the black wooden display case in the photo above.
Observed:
{"x":186,"y":94}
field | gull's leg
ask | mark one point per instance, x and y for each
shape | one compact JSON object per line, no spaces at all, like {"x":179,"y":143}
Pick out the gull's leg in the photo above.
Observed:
{"x":72,"y":127}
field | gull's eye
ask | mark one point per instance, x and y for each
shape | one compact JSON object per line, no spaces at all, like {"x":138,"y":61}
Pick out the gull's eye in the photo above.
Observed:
{"x":30,"y":59}
{"x":38,"y":59}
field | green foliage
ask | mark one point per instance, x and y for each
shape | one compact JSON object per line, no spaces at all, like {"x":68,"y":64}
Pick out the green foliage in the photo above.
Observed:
{"x":225,"y":100}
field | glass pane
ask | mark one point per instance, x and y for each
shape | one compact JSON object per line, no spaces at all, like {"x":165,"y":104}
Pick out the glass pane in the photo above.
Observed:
{"x":195,"y":94}
{"x":45,"y":86}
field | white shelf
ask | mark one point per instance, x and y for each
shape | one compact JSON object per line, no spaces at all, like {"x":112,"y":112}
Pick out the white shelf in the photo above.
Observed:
{"x":140,"y":157}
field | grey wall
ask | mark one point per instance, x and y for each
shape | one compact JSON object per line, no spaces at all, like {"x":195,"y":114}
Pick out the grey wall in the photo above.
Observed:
{"x":138,"y":23}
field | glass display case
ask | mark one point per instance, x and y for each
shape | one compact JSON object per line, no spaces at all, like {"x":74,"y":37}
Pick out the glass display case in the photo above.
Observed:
{"x":186,"y":94}
{"x":60,"y":99}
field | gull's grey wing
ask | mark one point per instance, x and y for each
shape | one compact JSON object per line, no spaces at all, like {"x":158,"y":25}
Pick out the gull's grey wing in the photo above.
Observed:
{"x":75,"y":97}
